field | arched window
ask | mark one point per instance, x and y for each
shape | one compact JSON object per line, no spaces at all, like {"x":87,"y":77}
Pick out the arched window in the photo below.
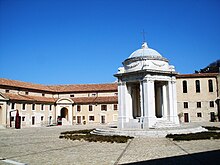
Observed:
{"x":210,"y":86}
{"x":197,"y":86}
{"x":184,"y":86}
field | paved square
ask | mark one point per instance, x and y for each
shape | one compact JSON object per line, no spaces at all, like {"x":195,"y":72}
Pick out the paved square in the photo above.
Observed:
{"x":43,"y":146}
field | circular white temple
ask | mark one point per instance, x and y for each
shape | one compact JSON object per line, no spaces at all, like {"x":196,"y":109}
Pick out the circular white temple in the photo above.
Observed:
{"x":146,"y":91}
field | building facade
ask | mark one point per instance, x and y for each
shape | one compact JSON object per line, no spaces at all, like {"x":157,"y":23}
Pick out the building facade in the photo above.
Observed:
{"x":197,"y":97}
{"x":41,"y":105}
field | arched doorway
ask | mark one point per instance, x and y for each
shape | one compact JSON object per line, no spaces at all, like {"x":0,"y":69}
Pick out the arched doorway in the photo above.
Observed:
{"x":64,"y":113}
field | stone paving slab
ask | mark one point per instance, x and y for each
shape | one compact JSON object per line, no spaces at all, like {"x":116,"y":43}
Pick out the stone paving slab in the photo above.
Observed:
{"x":43,"y":146}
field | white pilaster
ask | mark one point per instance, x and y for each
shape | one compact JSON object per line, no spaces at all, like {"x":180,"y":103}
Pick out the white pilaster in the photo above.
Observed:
{"x":121,"y":104}
{"x":142,"y":99}
{"x":148,"y":103}
{"x":129,"y":112}
{"x":70,"y":114}
{"x":173,"y":101}
{"x":165,"y":105}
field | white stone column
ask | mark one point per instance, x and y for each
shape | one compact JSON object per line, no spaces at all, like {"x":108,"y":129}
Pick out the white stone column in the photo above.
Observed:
{"x":141,"y":99}
{"x":128,"y":100}
{"x":121,"y":104}
{"x":149,"y":118}
{"x":172,"y":101}
{"x":165,"y":100}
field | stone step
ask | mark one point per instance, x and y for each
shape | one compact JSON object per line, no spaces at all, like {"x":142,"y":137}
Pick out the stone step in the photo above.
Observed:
{"x":164,"y":124}
{"x":149,"y":132}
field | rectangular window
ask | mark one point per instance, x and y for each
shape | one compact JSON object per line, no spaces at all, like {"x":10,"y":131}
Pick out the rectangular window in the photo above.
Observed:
{"x":78,"y":108}
{"x":199,"y":114}
{"x":42,"y":107}
{"x":72,"y":95}
{"x":12,"y":105}
{"x":197,"y":86}
{"x":23,"y":118}
{"x":184,"y":86}
{"x":210,"y":86}
{"x":185,"y":104}
{"x":33,"y":107}
{"x":211,"y":103}
{"x":103,"y":107}
{"x":74,"y":117}
{"x":50,"y":107}
{"x":6,"y":91}
{"x":33,"y":120}
{"x":50,"y":119}
{"x":199,"y":105}
{"x":90,"y":108}
{"x":23,"y":106}
{"x":115,"y":107}
{"x":84,"y":117}
{"x":91,"y":118}
{"x":41,"y":118}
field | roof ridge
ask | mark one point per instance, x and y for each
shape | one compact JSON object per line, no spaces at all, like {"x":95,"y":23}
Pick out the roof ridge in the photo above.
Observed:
{"x":82,"y":84}
{"x":59,"y":88}
{"x":22,"y":81}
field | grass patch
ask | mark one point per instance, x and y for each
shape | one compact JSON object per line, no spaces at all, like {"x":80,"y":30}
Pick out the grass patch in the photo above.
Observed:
{"x":86,"y":131}
{"x":211,"y":128}
{"x":87,"y":136}
{"x":194,"y":136}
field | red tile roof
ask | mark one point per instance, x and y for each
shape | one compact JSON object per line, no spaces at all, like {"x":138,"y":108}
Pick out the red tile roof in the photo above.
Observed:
{"x":60,"y":88}
{"x":94,"y":100}
{"x":196,"y":75}
{"x":28,"y":98}
{"x":79,"y":100}
{"x":111,"y":87}
{"x":24,"y":85}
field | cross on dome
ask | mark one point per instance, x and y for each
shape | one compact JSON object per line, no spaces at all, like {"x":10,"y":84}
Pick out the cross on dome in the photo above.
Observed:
{"x":143,"y":32}
{"x":144,"y":45}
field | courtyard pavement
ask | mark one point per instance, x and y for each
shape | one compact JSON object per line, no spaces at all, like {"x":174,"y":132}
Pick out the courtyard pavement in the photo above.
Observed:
{"x":42,"y":146}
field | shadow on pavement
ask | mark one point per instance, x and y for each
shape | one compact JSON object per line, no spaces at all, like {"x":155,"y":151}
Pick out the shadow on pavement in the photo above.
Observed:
{"x":202,"y":158}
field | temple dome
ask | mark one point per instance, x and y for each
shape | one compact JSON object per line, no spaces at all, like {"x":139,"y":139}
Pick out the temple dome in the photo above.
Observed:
{"x":145,"y":51}
{"x":146,"y":59}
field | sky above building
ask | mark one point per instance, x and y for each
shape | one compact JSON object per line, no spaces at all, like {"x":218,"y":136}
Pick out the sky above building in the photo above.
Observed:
{"x":79,"y":42}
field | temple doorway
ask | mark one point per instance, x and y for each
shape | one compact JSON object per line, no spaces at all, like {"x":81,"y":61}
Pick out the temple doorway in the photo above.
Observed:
{"x":134,"y":90}
{"x":158,"y":99}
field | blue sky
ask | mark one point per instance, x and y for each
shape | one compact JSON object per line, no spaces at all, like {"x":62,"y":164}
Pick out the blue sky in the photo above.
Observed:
{"x":78,"y":42}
